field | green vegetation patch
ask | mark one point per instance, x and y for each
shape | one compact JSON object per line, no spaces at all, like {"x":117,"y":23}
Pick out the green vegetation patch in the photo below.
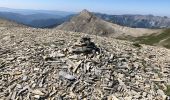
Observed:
{"x":162,"y":39}
{"x":167,"y":92}
{"x":156,"y":39}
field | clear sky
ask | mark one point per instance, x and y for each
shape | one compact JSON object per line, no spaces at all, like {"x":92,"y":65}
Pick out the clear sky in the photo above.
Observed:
{"x":156,"y":7}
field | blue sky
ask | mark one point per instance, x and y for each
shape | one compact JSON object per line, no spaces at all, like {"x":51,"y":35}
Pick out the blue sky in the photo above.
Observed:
{"x":156,"y":7}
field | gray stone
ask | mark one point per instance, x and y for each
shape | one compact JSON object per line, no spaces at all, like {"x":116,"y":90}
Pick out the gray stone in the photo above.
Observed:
{"x":66,"y":75}
{"x":24,"y":78}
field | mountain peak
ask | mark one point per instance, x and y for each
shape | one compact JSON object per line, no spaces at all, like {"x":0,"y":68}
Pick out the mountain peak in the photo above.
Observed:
{"x":85,"y":13}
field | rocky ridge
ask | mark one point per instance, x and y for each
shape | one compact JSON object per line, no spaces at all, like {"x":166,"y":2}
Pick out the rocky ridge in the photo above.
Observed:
{"x":139,"y":21}
{"x":40,"y":64}
{"x":8,"y":23}
{"x":87,"y":22}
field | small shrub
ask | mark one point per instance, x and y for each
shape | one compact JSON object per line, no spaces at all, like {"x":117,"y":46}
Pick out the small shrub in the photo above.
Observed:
{"x":137,"y":45}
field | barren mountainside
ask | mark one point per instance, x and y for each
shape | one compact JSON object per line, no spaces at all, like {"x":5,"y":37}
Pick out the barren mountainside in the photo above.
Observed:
{"x":88,"y":23}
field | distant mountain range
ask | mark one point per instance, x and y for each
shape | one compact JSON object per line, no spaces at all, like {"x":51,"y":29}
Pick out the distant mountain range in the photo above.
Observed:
{"x":48,"y":19}
{"x":39,"y":20}
{"x":137,"y":21}
{"x":30,"y":12}
{"x":36,"y":18}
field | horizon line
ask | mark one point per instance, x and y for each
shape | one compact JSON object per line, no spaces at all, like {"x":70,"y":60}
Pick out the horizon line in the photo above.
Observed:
{"x":82,"y":10}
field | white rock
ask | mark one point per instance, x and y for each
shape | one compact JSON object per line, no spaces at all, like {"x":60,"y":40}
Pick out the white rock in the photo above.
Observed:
{"x":37,"y":96}
{"x":57,"y":54}
{"x":73,"y":57}
{"x":112,"y":97}
{"x":24,"y":78}
{"x":37,"y":92}
{"x":160,"y":92}
{"x":66,"y":75}
{"x":36,"y":69}
{"x":18,"y":86}
{"x":128,"y":98}
{"x":144,"y":94}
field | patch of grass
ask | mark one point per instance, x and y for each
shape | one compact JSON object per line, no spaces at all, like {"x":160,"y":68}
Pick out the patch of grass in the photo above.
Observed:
{"x":167,"y":92}
{"x":152,"y":39}
{"x":166,"y":43}
{"x":162,"y":39}
{"x":155,"y":39}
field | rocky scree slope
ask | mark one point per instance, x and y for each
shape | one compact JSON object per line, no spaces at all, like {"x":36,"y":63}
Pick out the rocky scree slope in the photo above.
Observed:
{"x":87,"y":22}
{"x":8,"y":23}
{"x":40,"y":64}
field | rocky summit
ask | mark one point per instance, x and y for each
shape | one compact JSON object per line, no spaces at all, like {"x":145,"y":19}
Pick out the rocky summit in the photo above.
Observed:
{"x":47,"y":64}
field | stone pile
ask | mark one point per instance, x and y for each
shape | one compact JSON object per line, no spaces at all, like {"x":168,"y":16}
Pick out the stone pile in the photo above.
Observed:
{"x":85,"y":46}
{"x":50,"y":65}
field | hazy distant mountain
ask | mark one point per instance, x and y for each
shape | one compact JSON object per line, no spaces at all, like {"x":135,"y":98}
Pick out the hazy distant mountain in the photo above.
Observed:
{"x":40,"y":20}
{"x":30,"y":12}
{"x":139,"y":21}
{"x":87,"y":22}
{"x":49,"y":23}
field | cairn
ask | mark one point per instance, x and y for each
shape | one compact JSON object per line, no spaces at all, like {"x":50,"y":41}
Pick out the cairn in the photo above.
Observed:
{"x":85,"y":46}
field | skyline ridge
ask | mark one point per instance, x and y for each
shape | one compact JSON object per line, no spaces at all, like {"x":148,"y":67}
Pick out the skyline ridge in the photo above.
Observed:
{"x":155,"y":7}
{"x":7,"y":9}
